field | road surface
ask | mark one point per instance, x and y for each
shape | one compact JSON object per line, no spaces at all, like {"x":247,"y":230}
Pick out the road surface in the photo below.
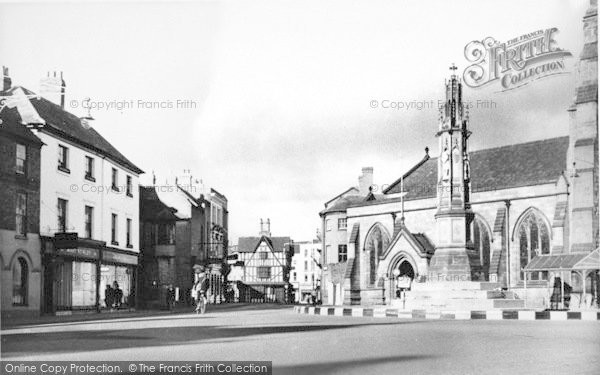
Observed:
{"x":305,"y":344}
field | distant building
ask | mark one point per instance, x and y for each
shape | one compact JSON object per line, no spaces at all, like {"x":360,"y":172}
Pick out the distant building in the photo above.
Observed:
{"x":266,"y":266}
{"x":201,"y":237}
{"x":20,"y":258}
{"x":305,"y":274}
{"x":159,"y":238}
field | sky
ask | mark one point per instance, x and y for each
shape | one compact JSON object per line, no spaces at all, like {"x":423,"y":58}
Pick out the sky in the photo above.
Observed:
{"x":270,"y":102}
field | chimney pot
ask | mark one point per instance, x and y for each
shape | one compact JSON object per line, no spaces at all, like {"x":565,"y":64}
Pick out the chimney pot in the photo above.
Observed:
{"x":6,"y":81}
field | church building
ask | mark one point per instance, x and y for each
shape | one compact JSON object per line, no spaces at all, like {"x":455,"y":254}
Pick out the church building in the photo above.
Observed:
{"x":518,"y":216}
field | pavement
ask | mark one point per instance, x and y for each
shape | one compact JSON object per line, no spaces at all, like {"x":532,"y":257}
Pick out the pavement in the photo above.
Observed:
{"x":314,"y":344}
{"x":497,"y":314}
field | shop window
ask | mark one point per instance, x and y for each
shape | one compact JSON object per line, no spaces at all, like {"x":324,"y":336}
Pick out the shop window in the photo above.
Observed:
{"x":20,"y":274}
{"x":83,"y":292}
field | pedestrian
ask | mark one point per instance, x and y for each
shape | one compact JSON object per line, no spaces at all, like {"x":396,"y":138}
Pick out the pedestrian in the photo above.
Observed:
{"x":118,"y":295}
{"x":170,"y":297}
{"x":200,"y":289}
{"x":108,"y":296}
{"x":556,"y":294}
{"x":567,"y":296}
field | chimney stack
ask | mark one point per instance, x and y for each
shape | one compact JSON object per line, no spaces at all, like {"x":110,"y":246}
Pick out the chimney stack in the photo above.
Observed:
{"x":265,"y":228}
{"x":53,"y":88}
{"x":6,"y":81}
{"x":365,"y":181}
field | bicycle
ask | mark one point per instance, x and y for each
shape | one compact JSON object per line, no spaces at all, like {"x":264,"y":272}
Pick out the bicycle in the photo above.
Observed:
{"x":201,"y":303}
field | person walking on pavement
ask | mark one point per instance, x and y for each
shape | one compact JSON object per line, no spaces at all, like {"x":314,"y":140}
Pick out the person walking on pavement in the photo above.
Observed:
{"x":199,"y":291}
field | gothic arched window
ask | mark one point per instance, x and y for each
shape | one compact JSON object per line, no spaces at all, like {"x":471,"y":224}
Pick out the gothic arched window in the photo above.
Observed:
{"x":481,"y":241}
{"x":376,"y":243}
{"x":534,"y":239}
{"x":20,"y":276}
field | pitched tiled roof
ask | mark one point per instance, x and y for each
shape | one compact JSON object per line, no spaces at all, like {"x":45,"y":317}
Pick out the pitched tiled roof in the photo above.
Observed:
{"x":343,"y":203}
{"x":152,"y":208}
{"x":11,"y":124}
{"x":249,"y":244}
{"x":525,"y":164}
{"x":424,"y":242}
{"x":69,"y":126}
{"x":342,"y":194}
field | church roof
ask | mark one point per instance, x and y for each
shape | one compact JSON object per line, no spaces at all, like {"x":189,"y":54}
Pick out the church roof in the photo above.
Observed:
{"x":524,"y":164}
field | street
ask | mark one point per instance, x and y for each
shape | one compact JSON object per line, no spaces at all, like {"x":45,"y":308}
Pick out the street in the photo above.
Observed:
{"x":299,"y":343}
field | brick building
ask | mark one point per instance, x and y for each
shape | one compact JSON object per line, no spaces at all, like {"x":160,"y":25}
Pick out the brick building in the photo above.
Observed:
{"x":20,"y":260}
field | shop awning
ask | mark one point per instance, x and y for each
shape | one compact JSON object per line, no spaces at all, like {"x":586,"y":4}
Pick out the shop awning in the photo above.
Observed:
{"x":565,"y":262}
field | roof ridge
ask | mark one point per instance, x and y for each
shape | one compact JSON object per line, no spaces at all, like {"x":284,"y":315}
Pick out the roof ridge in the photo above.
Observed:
{"x":410,"y":171}
{"x":56,"y":110}
{"x":519,"y":144}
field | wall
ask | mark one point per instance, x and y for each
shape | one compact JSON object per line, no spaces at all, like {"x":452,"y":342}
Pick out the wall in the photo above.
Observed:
{"x":12,"y":246}
{"x":81,"y":192}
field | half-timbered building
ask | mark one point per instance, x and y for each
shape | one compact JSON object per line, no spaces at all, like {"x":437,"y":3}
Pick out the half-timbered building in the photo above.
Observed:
{"x":266,"y":266}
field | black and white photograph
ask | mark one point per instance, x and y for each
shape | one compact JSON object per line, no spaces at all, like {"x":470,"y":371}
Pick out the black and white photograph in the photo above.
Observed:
{"x":299,"y":187}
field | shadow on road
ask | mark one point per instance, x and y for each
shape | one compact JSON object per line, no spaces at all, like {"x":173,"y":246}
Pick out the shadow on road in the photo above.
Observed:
{"x":366,"y":365}
{"x":95,"y":318}
{"x":72,"y":342}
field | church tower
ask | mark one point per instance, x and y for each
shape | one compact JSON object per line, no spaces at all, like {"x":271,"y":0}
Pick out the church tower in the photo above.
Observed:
{"x":455,"y":258}
{"x":583,"y":142}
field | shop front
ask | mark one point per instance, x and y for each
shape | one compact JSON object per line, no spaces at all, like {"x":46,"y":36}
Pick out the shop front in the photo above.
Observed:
{"x":77,"y":272}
